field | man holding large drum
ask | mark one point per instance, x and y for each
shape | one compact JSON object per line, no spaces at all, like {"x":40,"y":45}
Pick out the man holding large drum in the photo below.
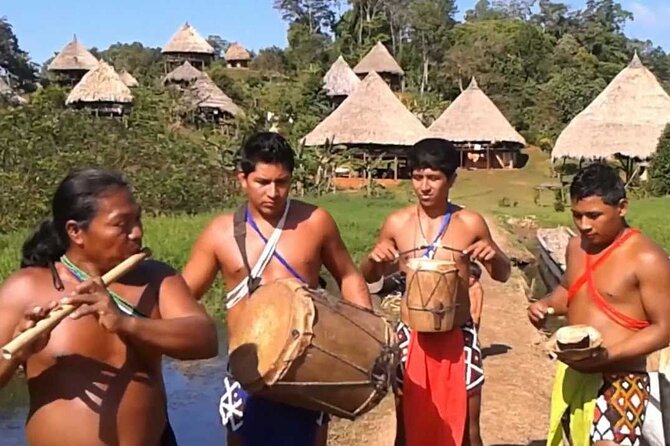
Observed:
{"x":434,"y":242}
{"x":281,"y":238}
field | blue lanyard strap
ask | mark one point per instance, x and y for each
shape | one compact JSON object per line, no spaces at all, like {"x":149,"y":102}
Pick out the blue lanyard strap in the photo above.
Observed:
{"x":432,"y":248}
{"x":249,"y":219}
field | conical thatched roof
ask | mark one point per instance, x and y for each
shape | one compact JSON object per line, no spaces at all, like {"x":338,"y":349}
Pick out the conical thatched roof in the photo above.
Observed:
{"x":205,"y":93}
{"x":371,"y":115}
{"x":473,"y":117}
{"x":128,"y":79}
{"x":74,"y":56}
{"x":187,"y":40}
{"x":380,"y":60}
{"x":183,"y":73}
{"x":340,"y":80}
{"x":237,"y":52}
{"x":627,"y":118}
{"x":101,"y":84}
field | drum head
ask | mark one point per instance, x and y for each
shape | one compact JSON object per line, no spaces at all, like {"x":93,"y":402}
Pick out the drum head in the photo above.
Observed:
{"x":440,"y":266}
{"x":269,"y":330}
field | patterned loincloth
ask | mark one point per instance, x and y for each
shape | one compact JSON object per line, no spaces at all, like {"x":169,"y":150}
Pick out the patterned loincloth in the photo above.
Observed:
{"x":474,"y":366}
{"x":620,"y":408}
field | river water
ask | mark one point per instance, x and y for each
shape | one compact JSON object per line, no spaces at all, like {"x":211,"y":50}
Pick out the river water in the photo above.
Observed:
{"x":193,"y":389}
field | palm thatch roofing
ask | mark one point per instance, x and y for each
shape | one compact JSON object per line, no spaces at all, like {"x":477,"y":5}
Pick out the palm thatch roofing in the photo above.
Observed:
{"x":204,"y":93}
{"x":380,"y":60}
{"x":340,"y":80}
{"x":74,"y":56}
{"x":102,"y":84}
{"x":184,"y":73}
{"x":237,"y":52}
{"x":627,"y":118}
{"x":372,"y":115}
{"x":128,"y":79}
{"x":473,"y":117}
{"x":187,"y":40}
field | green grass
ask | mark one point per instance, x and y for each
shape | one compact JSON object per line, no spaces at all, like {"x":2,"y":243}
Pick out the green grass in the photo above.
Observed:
{"x":359,"y":219}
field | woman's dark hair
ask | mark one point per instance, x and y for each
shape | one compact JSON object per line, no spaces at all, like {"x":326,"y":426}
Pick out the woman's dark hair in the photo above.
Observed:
{"x":76,"y":198}
{"x":265,"y":147}
{"x":434,"y":153}
{"x":598,"y":180}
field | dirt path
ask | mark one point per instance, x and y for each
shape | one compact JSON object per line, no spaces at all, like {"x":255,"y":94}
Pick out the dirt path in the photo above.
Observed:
{"x":516,"y":394}
{"x":515,"y":408}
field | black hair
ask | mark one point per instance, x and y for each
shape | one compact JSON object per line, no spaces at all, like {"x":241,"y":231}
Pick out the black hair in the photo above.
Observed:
{"x":475,"y":270}
{"x":598,"y":180}
{"x":434,"y":153}
{"x":265,"y":147}
{"x":76,"y":198}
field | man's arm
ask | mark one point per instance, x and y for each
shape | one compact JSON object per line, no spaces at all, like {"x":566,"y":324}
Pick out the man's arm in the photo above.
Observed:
{"x":380,"y":261}
{"x":185,"y":331}
{"x":201,"y":268}
{"x":337,"y":260}
{"x":14,"y":297}
{"x":476,"y":293}
{"x":11,"y":309}
{"x":484,"y":249}
{"x":557,"y":299}
{"x":652,"y":270}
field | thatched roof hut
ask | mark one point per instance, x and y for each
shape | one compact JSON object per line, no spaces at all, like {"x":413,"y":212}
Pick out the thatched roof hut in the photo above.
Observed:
{"x":627,"y":118}
{"x":474,"y":118}
{"x":72,"y":62}
{"x":380,"y":60}
{"x":237,"y":56}
{"x":183,"y":75}
{"x":128,"y":79}
{"x":206,"y":96}
{"x":73,"y":57}
{"x":340,"y":80}
{"x":187,"y":40}
{"x":187,"y":45}
{"x":372,"y":115}
{"x":101,"y":89}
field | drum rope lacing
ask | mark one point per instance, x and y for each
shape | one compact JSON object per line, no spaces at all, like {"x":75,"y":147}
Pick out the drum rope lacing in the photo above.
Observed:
{"x":379,"y":375}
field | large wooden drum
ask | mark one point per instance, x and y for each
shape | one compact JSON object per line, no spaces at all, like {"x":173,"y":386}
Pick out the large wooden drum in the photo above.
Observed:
{"x":429,"y":304}
{"x":294,"y":345}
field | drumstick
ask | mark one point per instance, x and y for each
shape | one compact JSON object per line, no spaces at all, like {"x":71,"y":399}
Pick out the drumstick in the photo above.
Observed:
{"x":62,"y":311}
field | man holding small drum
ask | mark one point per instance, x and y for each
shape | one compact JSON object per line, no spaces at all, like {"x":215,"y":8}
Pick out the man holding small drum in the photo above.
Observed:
{"x":449,"y":413}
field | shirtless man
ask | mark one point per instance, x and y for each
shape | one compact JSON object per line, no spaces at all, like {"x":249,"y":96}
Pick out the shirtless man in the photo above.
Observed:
{"x":310,"y":239}
{"x":97,"y":380}
{"x":436,"y":222}
{"x":618,"y":281}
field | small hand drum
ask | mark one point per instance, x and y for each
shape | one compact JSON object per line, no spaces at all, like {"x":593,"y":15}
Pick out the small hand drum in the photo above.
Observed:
{"x":575,"y":342}
{"x":429,"y":304}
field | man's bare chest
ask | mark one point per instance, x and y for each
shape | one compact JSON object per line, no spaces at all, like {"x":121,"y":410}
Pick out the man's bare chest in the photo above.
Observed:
{"x":296,"y":252}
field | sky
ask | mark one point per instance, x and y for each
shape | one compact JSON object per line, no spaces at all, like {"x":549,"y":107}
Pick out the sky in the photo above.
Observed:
{"x":43,"y":27}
